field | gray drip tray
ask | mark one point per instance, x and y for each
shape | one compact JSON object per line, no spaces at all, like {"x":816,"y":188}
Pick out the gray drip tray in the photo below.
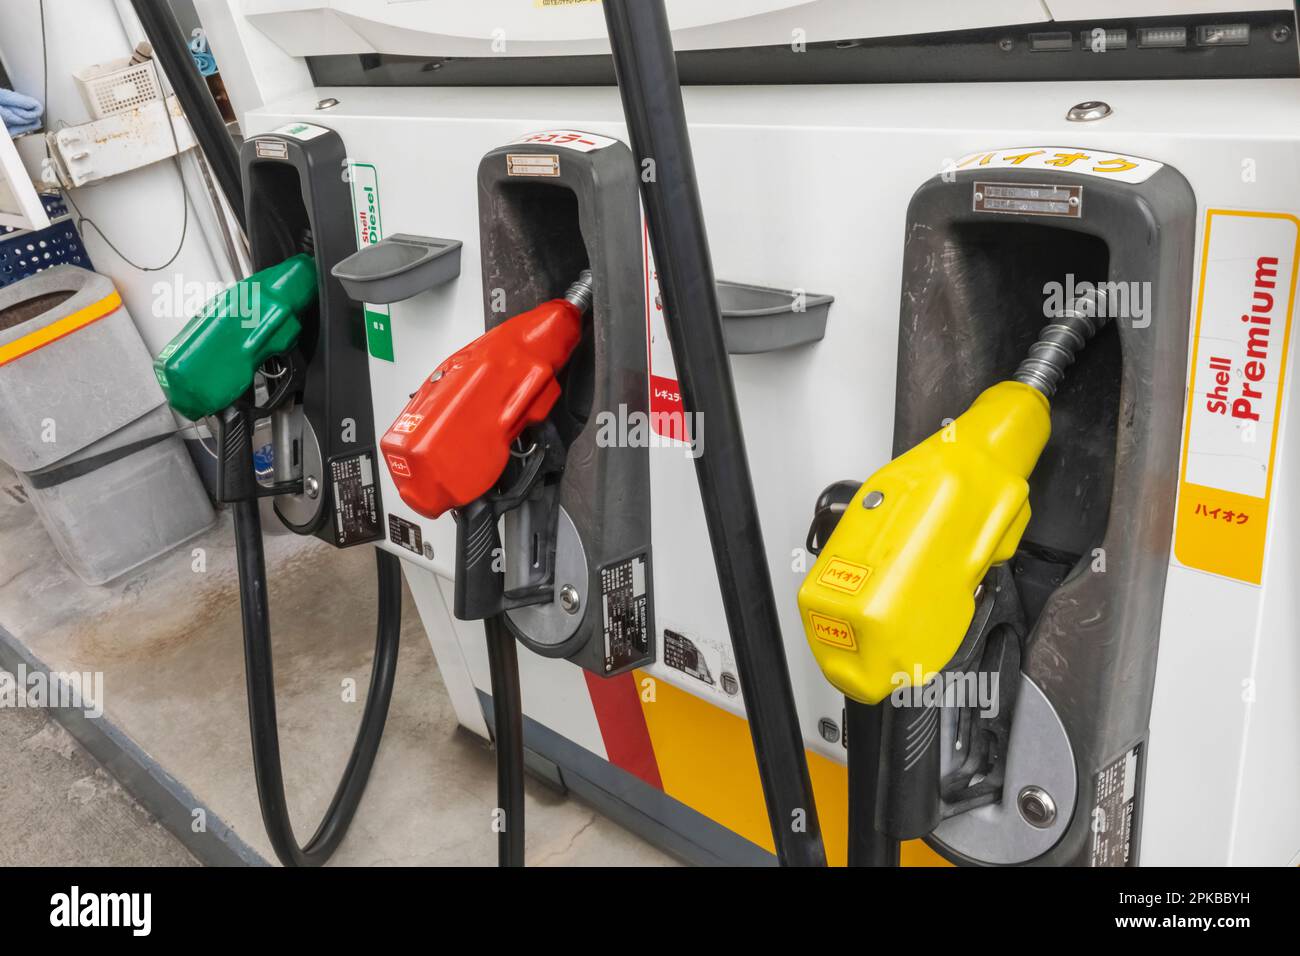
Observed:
{"x":757,"y":318}
{"x":398,"y":267}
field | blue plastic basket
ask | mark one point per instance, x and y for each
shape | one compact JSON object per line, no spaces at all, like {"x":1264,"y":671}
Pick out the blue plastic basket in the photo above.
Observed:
{"x":26,"y":253}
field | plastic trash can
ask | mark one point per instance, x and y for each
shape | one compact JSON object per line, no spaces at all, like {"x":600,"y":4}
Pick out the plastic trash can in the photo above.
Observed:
{"x":84,"y":423}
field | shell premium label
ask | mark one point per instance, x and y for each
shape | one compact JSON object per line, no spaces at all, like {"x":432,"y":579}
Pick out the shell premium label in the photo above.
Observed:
{"x":1245,"y":300}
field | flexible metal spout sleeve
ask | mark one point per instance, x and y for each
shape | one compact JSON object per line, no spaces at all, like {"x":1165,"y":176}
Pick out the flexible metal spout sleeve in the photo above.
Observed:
{"x":1058,"y":343}
{"x":580,"y":292}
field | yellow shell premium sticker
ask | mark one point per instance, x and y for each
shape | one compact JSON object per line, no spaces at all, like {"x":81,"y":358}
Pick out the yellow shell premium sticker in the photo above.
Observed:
{"x":1245,"y":298}
{"x":832,"y":631}
{"x":844,"y":575}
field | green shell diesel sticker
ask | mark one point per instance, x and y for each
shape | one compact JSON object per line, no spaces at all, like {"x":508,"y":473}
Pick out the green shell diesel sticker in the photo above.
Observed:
{"x":379,"y":332}
{"x":368,"y":220}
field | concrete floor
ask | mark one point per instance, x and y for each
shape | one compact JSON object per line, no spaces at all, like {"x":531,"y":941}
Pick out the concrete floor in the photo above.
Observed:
{"x":167,"y":638}
{"x":60,"y":808}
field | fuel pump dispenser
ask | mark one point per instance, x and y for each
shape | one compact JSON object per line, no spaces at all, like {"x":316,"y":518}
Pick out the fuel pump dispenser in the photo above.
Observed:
{"x":1021,"y":548}
{"x":451,"y":448}
{"x":552,"y":521}
{"x":911,"y":583}
{"x":589,"y":530}
{"x":286,"y":343}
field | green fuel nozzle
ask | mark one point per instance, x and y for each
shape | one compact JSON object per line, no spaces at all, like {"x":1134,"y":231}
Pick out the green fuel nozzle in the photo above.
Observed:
{"x":211,"y":362}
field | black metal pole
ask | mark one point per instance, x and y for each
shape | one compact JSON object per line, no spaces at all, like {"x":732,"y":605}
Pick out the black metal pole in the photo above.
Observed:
{"x":656,"y":120}
{"x":173,"y":52}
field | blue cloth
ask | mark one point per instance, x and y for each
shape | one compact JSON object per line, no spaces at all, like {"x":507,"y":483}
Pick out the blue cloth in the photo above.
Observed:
{"x":203,"y":58}
{"x":21,"y":114}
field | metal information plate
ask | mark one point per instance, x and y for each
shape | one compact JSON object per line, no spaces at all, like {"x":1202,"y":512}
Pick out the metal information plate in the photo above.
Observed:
{"x":1027,"y":199}
{"x":532,"y":164}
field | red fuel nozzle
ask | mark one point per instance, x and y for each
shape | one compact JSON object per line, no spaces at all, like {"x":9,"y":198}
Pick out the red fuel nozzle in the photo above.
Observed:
{"x":452,"y":441}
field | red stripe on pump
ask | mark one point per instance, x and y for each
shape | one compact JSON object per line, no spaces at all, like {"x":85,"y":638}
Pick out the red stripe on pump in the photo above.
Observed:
{"x":622,"y":725}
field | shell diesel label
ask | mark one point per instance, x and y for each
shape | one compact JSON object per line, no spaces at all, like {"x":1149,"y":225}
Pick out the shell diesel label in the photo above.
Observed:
{"x":1245,"y":299}
{"x":368,"y":220}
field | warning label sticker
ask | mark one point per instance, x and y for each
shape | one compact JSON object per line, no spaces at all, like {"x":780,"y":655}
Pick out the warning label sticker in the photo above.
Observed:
{"x":625,"y":612}
{"x":405,"y":534}
{"x":356,"y":503}
{"x":1245,"y":299}
{"x":681,"y":653}
{"x":1113,"y":810}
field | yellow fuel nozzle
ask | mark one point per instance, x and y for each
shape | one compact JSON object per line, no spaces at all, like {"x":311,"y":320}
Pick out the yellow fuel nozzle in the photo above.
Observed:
{"x":892,"y":594}
{"x":893,"y":591}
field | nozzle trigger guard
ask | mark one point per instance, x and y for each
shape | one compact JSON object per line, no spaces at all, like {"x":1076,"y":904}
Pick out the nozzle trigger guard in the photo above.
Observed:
{"x":479,"y":589}
{"x":233,"y":430}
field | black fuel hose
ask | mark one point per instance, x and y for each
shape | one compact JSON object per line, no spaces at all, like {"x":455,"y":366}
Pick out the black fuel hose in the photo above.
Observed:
{"x":864,"y":728}
{"x":508,"y":724}
{"x":255,"y":612}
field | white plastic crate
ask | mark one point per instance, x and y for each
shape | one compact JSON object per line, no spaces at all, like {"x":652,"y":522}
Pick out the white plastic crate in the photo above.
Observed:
{"x":117,"y":86}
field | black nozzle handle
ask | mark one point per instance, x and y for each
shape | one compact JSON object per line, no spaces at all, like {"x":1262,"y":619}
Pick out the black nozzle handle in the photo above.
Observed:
{"x":480,"y":583}
{"x":907,"y":803}
{"x":236,"y":480}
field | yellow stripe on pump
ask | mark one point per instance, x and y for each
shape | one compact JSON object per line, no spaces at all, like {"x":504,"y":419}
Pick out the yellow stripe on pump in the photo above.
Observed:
{"x":893,"y":591}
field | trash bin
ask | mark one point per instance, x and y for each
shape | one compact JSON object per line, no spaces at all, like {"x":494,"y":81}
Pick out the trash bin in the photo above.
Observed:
{"x":84,"y":423}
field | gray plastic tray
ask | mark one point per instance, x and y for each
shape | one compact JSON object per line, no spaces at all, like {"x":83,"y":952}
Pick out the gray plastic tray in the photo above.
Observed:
{"x":758,"y":318}
{"x":398,"y":267}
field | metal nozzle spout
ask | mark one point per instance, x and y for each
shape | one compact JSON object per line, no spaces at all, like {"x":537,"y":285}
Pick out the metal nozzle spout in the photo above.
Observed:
{"x":580,"y":292}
